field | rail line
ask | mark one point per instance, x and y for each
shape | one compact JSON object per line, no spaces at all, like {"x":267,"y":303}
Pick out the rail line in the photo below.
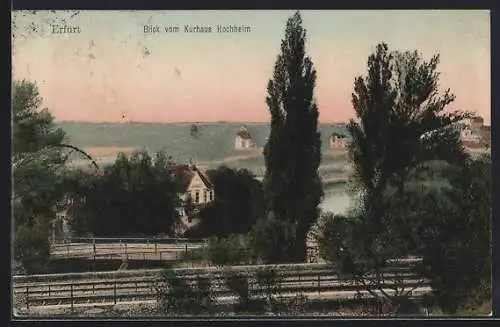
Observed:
{"x":141,"y":286}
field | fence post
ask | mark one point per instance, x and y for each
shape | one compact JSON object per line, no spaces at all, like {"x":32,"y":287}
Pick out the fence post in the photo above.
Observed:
{"x":186,"y":247}
{"x":49,"y":289}
{"x":160,"y":256}
{"x":319,"y":284}
{"x":71,"y":295}
{"x":27,"y":297}
{"x":114,"y":291}
{"x":125,"y":248}
{"x":156,"y":247}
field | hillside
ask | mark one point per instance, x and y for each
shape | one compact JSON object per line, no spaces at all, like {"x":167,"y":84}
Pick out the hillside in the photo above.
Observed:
{"x":215,"y":142}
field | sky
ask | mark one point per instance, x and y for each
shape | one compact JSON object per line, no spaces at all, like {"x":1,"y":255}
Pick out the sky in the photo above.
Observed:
{"x":112,"y":71}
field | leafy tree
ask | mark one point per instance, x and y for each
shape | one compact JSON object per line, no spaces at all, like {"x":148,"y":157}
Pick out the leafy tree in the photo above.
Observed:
{"x":401,"y":124}
{"x":38,"y":161}
{"x":133,"y":196}
{"x":238,"y":203}
{"x":292,"y":153}
{"x":455,"y":229}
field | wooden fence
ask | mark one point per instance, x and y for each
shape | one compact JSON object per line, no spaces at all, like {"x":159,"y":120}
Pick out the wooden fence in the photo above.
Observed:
{"x":138,"y":249}
{"x":129,"y":240}
{"x":116,"y":287}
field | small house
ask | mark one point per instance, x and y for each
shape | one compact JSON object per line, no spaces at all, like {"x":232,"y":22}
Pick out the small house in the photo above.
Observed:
{"x":471,"y":130}
{"x":243,"y":140}
{"x":338,"y":141}
{"x":193,"y":187}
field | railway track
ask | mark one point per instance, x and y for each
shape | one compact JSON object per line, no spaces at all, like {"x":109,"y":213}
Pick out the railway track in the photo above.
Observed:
{"x":114,"y":288}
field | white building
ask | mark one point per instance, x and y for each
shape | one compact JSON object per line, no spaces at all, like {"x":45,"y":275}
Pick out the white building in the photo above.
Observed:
{"x":469,"y":129}
{"x":338,"y":142}
{"x":194,"y":187}
{"x":243,"y":140}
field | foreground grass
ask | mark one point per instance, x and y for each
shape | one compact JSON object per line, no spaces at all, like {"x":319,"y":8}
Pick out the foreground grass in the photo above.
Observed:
{"x":318,"y":308}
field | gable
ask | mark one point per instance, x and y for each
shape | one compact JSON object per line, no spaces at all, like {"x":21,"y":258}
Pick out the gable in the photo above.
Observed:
{"x":245,"y":135}
{"x":199,"y":181}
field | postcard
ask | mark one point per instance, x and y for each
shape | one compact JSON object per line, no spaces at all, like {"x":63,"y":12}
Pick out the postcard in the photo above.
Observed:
{"x":258,"y":162}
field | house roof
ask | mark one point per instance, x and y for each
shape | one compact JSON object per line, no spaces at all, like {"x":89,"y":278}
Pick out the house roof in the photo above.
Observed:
{"x":183,"y":175}
{"x":478,"y":119}
{"x":244,"y":135}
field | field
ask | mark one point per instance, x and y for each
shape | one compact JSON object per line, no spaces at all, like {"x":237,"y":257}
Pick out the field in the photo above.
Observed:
{"x":213,"y":146}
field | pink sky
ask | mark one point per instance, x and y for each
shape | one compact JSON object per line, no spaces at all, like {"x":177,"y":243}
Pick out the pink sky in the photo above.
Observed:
{"x":113,"y":69}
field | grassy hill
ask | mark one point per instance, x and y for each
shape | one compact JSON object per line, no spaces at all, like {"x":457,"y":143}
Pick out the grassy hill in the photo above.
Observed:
{"x":215,"y":142}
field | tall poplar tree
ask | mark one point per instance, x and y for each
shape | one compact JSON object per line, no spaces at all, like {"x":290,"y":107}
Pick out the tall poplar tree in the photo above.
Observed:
{"x":292,"y":153}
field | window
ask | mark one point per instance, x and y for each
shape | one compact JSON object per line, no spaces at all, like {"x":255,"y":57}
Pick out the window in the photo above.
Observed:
{"x":211,"y":195}
{"x":196,"y":197}
{"x":204,"y":196}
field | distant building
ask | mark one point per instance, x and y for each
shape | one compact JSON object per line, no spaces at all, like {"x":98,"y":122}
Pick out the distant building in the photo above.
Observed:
{"x":338,"y":141}
{"x":474,"y":132}
{"x":243,"y":140}
{"x":485,"y":132}
{"x":194,"y":188}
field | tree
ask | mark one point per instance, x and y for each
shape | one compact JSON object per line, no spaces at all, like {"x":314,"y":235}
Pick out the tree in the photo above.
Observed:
{"x":401,"y":124}
{"x":456,"y":237}
{"x":292,"y":186}
{"x":38,"y":161}
{"x":133,"y":196}
{"x":238,"y":203}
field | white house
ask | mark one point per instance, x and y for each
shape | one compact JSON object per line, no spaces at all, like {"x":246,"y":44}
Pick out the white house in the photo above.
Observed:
{"x":475,"y":136}
{"x":470,"y":129}
{"x":473,"y":130}
{"x":194,"y":187}
{"x":338,"y":141}
{"x":243,"y":140}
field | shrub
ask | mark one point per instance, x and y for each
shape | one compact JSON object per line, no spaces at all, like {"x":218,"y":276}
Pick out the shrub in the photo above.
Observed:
{"x":238,"y":284}
{"x":31,"y":248}
{"x":176,"y":296}
{"x":231,"y":250}
{"x":268,"y":236}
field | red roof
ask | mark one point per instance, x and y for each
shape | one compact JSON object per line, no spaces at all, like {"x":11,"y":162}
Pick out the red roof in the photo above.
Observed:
{"x":183,"y":175}
{"x":244,"y":135}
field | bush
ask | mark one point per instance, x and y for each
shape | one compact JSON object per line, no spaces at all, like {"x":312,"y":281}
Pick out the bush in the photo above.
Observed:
{"x":238,"y":284}
{"x":176,"y":296}
{"x":31,"y":248}
{"x":268,"y":237}
{"x":231,"y":250}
